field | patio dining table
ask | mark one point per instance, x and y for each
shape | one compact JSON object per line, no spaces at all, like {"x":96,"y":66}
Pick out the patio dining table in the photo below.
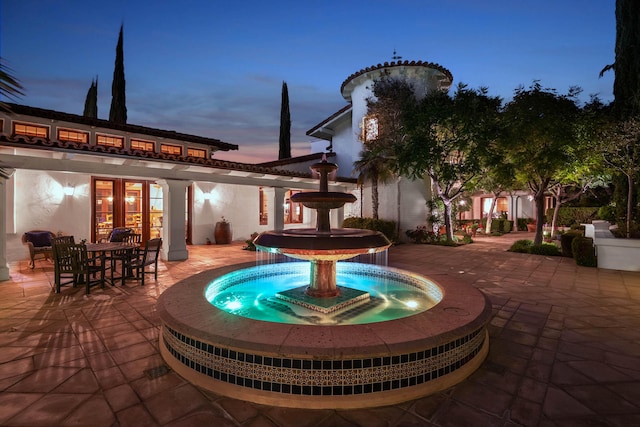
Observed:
{"x":101,"y":249}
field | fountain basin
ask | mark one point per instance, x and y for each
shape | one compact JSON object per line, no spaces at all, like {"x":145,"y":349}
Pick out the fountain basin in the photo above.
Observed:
{"x":317,"y":366}
{"x":308,"y":244}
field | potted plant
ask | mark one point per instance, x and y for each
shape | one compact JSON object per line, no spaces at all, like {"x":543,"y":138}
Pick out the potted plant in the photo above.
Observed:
{"x":531,"y":225}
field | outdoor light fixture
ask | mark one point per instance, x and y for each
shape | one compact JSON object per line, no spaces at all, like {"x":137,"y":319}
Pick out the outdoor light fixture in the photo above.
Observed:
{"x":68,"y":190}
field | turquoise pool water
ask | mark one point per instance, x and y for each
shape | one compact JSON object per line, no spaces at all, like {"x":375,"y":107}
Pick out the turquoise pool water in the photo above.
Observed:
{"x":252,"y":293}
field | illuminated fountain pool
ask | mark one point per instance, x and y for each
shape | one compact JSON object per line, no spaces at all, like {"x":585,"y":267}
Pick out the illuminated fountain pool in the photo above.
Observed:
{"x":369,"y":294}
{"x":322,"y":333}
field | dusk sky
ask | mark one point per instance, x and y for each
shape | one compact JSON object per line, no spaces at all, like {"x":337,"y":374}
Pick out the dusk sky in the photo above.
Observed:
{"x":215,"y":69}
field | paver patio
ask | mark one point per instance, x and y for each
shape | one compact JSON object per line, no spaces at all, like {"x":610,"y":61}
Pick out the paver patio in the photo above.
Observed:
{"x":565,"y":349}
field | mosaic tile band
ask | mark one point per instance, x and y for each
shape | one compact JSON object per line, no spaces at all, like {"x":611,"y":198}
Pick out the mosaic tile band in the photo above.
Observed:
{"x":322,"y":377}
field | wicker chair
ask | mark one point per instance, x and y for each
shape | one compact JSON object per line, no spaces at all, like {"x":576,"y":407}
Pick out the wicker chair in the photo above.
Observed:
{"x":39,"y":243}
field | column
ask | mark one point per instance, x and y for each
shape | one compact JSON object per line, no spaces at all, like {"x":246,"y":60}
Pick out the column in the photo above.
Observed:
{"x":5,"y":174}
{"x":275,"y":205}
{"x":174,"y":244}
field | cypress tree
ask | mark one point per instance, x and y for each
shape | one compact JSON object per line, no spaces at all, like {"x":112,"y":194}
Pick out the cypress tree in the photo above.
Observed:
{"x":285,"y":125}
{"x":626,"y":84}
{"x":118,"y":111}
{"x":91,"y":102}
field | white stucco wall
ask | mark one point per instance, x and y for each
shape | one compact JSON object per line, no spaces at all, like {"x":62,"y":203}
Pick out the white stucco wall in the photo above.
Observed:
{"x":408,"y":209}
{"x":43,"y":205}
{"x":40,"y":204}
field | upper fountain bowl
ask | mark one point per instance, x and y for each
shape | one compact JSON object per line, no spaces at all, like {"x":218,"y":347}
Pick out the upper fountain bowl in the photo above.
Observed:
{"x":309,"y":244}
{"x":323,"y":199}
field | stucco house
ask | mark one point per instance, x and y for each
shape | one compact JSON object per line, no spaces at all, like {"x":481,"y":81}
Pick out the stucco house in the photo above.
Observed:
{"x":82,"y":176}
{"x":404,"y":200}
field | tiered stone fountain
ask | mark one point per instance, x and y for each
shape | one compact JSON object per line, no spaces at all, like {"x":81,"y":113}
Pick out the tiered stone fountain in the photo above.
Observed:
{"x":312,"y":341}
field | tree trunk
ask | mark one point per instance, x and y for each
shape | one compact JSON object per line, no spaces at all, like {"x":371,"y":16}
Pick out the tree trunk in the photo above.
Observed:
{"x":555,"y":213}
{"x":487,"y":230}
{"x":539,"y":198}
{"x":374,"y":197}
{"x":629,"y":204}
{"x":448,"y":224}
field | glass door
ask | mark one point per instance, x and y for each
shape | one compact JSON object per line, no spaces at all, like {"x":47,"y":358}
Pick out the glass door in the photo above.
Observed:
{"x":103,"y":208}
{"x":133,"y":206}
{"x":155,"y":211}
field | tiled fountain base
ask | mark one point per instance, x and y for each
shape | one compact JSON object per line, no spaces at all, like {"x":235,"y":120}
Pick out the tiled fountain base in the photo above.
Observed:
{"x":315,"y":366}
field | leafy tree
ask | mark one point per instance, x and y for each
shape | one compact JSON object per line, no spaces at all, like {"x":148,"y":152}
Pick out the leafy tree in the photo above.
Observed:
{"x":91,"y":101}
{"x":626,"y":91}
{"x":10,"y":87}
{"x":285,"y":125}
{"x":383,"y":129}
{"x":497,"y":177}
{"x":539,"y":132}
{"x":447,"y":140}
{"x":118,"y":111}
{"x":584,"y":169}
{"x":620,"y":150}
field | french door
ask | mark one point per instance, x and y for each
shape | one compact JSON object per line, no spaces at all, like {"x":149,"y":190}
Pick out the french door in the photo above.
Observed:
{"x":134,"y":204}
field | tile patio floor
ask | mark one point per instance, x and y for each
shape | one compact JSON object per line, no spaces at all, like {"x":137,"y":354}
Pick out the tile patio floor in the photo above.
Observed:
{"x":565,"y":349}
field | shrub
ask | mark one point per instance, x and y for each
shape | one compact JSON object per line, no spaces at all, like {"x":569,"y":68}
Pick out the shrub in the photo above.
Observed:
{"x":607,"y":213}
{"x":527,"y":247}
{"x":422,"y":234}
{"x":521,"y":246}
{"x":565,"y":242}
{"x":467,"y":238}
{"x":548,"y":249}
{"x":522,"y":223}
{"x":567,"y":215}
{"x":621,"y":231}
{"x":498,"y":225}
{"x":584,"y":252}
{"x":250,"y":246}
{"x":388,"y":228}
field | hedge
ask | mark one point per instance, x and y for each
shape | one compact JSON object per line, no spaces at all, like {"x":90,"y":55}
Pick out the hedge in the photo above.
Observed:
{"x":584,"y":252}
{"x":498,"y":225}
{"x":568,"y":216}
{"x":388,"y":228}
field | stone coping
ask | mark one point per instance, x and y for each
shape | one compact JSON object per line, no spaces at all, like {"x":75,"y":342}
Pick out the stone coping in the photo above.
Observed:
{"x":462,"y":310}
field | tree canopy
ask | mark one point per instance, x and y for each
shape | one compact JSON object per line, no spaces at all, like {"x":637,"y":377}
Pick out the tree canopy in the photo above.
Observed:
{"x":540,"y":133}
{"x":449,"y":137}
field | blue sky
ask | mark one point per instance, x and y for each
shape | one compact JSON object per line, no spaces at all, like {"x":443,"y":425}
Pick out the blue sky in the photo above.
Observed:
{"x":215,"y":69}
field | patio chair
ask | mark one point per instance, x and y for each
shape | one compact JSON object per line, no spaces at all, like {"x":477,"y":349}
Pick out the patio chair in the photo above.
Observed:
{"x":39,"y":243}
{"x":125,"y":255}
{"x":72,"y":263}
{"x":146,"y":257}
{"x":64,"y":267}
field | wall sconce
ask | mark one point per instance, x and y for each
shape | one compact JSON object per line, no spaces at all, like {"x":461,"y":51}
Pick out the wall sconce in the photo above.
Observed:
{"x":207,"y":196}
{"x":68,"y":190}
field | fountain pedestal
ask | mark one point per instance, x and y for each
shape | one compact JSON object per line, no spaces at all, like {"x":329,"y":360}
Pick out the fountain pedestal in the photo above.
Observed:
{"x":323,"y":279}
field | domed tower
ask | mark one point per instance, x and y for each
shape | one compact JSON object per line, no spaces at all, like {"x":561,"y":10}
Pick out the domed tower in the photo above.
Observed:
{"x":343,"y":129}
